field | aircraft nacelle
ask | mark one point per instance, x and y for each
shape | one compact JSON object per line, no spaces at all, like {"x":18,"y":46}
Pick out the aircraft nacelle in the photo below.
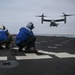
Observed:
{"x":42,"y":20}
{"x":64,"y":19}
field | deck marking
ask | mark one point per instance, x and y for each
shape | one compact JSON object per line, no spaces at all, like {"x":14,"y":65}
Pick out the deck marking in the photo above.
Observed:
{"x":58,"y":44}
{"x":32,"y":56}
{"x":59,"y":54}
{"x":38,"y":42}
{"x":46,"y":55}
{"x":54,"y":47}
{"x":3,"y":58}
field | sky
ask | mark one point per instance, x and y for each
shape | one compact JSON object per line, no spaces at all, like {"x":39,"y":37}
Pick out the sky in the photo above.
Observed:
{"x":15,"y":14}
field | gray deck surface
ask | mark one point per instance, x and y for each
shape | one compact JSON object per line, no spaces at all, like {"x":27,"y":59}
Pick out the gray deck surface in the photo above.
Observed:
{"x":56,"y":57}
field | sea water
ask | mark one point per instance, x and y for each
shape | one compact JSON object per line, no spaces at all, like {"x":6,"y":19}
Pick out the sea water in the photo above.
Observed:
{"x":58,"y":35}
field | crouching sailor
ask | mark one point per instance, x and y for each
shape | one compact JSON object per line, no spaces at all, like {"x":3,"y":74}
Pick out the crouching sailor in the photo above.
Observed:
{"x":5,"y":37}
{"x":26,"y":39}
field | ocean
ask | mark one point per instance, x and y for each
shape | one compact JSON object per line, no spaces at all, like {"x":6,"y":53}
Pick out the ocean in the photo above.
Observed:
{"x":59,"y":35}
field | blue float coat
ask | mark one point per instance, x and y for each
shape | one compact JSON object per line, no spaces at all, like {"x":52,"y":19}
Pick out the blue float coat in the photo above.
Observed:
{"x":23,"y":34}
{"x":3,"y":35}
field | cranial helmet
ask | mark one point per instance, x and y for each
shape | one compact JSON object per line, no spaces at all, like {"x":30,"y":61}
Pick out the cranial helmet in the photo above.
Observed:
{"x":30,"y":25}
{"x":2,"y":27}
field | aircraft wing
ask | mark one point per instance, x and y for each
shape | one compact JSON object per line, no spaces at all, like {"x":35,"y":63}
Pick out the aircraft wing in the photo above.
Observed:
{"x":59,"y":20}
{"x":53,"y":20}
{"x":47,"y":20}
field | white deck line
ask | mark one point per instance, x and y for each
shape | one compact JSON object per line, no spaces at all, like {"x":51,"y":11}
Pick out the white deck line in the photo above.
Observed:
{"x":32,"y":56}
{"x":3,"y":58}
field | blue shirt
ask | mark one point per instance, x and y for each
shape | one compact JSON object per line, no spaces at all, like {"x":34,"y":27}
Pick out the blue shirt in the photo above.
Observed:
{"x":23,"y":34}
{"x":3,"y":35}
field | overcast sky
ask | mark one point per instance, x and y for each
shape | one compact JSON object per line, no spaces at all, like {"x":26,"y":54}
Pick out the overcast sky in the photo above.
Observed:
{"x":17,"y":13}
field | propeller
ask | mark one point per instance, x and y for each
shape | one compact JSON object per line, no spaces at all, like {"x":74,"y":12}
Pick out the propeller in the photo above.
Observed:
{"x":67,"y":14}
{"x":41,"y":15}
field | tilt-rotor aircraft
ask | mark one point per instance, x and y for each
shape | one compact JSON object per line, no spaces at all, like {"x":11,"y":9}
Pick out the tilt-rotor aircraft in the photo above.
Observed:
{"x":53,"y":22}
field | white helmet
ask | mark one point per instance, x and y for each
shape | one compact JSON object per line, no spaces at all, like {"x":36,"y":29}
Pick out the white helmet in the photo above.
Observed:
{"x":30,"y":25}
{"x":2,"y":27}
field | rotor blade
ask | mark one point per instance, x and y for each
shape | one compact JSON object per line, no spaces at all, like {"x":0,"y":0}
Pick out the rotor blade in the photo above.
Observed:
{"x":41,"y":15}
{"x":70,"y":15}
{"x":67,"y":14}
{"x":63,"y":13}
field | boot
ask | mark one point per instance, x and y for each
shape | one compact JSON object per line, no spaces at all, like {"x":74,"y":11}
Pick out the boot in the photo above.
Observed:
{"x":1,"y":47}
{"x":30,"y":50}
{"x":20,"y":49}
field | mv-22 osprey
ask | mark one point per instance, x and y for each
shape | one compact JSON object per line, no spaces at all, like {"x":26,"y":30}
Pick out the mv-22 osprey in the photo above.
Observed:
{"x":53,"y":22}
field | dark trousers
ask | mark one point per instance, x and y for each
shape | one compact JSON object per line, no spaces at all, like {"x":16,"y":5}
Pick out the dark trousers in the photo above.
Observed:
{"x":30,"y":42}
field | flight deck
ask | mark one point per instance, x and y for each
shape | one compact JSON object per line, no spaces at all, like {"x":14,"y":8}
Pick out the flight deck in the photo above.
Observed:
{"x":56,"y":56}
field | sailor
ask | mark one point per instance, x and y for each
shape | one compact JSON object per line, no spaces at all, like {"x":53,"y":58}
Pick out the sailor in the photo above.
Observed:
{"x":5,"y":37}
{"x":26,"y":38}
